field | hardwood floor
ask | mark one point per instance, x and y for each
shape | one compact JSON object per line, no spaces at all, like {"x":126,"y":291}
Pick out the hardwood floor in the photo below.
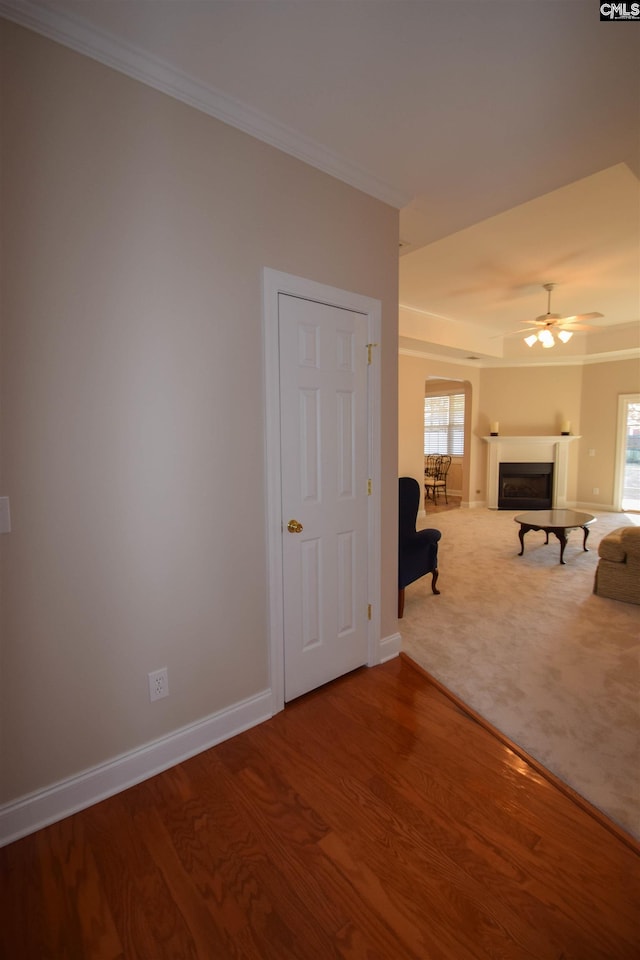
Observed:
{"x":441,"y":506}
{"x":371,"y":819}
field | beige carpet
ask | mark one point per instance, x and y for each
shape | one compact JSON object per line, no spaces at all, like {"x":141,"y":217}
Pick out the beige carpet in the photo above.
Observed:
{"x":526,"y":644}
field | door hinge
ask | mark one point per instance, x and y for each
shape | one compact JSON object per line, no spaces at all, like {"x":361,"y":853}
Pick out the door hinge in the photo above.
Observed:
{"x":369,"y":613}
{"x":370,"y":346}
{"x":369,"y":487}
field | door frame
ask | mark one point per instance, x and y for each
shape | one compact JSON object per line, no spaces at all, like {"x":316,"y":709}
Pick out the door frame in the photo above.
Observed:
{"x":624,"y":399}
{"x":275,"y":283}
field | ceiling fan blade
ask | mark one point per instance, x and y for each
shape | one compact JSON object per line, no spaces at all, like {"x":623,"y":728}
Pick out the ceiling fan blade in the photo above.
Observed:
{"x":579,"y":317}
{"x":553,"y":327}
{"x":514,"y":333}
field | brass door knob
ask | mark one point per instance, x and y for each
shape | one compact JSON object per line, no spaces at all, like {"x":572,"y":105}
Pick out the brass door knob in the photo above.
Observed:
{"x":294,"y":526}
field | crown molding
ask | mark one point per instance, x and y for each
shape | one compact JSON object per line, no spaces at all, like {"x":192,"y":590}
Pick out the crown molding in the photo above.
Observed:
{"x":135,"y":63}
{"x":488,"y":362}
{"x":606,"y":357}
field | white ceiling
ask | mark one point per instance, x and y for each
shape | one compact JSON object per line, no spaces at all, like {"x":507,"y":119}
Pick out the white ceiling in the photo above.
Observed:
{"x":506,"y":131}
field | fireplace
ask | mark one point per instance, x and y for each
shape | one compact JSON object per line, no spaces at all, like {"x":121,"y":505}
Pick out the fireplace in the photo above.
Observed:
{"x":525,"y":486}
{"x":530,"y":450}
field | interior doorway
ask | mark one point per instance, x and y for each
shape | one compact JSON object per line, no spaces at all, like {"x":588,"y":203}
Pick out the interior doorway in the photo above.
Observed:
{"x":627,"y":474}
{"x":447,"y":405}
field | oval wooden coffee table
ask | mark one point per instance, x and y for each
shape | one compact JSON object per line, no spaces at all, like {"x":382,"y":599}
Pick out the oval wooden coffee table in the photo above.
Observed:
{"x":559,"y":522}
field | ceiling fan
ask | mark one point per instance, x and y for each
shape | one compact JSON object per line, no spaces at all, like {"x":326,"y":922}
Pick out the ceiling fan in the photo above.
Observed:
{"x":545,"y":326}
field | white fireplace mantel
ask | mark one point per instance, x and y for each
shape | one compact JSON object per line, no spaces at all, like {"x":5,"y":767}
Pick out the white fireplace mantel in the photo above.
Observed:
{"x":548,"y":449}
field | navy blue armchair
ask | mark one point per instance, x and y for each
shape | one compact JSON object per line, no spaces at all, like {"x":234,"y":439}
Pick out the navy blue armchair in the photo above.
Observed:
{"x":417,"y":549}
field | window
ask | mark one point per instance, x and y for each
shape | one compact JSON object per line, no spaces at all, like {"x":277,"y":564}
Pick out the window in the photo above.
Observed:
{"x":444,"y":424}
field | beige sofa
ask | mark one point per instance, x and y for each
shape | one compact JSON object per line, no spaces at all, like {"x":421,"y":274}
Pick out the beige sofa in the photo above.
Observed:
{"x":618,"y":572}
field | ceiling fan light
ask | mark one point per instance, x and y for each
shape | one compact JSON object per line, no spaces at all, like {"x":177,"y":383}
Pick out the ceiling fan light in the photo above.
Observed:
{"x":531,"y":339}
{"x":565,"y":335}
{"x":546,"y":338}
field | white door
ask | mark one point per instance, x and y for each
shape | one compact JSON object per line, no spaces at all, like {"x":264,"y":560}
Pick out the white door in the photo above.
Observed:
{"x":324,"y":465}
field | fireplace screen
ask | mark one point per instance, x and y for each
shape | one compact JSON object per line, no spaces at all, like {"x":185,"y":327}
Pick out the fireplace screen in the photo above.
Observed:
{"x":525,"y":486}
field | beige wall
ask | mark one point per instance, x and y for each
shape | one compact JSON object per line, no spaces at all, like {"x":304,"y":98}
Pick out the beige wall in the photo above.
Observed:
{"x":531,"y":401}
{"x":602,"y":385}
{"x":135,"y":234}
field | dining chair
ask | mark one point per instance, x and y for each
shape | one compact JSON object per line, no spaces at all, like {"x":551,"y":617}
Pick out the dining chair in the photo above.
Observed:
{"x":435,"y":476}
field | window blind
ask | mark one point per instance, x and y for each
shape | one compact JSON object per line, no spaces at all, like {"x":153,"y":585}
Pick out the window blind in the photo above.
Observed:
{"x":444,"y":424}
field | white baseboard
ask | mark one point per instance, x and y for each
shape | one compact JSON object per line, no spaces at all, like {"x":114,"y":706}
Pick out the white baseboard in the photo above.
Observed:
{"x":30,"y":813}
{"x":43,"y":807}
{"x":389,"y":647}
{"x":596,"y":508}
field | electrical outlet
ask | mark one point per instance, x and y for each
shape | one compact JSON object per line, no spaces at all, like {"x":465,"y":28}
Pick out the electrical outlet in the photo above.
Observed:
{"x":158,"y":684}
{"x":596,"y":489}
